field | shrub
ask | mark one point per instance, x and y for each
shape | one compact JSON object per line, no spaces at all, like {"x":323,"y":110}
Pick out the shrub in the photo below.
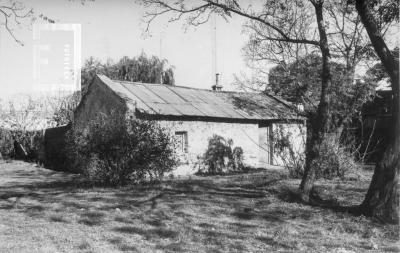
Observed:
{"x":115,"y":151}
{"x":334,"y":159}
{"x":291,"y":156}
{"x":220,"y":158}
{"x":27,"y":145}
{"x":6,"y":144}
{"x":237,"y":155}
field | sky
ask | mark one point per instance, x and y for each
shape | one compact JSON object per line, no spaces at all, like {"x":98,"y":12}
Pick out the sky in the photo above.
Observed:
{"x":112,"y":29}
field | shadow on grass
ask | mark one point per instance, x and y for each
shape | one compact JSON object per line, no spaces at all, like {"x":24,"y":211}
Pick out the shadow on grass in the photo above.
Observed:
{"x":72,"y":195}
{"x":148,"y":233}
{"x":320,"y":199}
{"x":275,"y":243}
{"x":92,"y":218}
{"x":122,"y":246}
{"x":159,"y":213}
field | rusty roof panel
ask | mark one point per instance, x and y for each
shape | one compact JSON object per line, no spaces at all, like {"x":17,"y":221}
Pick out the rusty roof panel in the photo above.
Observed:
{"x":165,"y":93}
{"x":211,"y":110}
{"x":188,"y":94}
{"x":144,"y":94}
{"x":164,"y":109}
{"x":188,"y":109}
{"x":184,"y":101}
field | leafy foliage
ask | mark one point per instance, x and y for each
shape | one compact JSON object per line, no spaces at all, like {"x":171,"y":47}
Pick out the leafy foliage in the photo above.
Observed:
{"x":6,"y":144}
{"x":65,"y":106}
{"x":22,"y":120}
{"x":292,"y":156}
{"x":18,"y":144}
{"x":385,"y":12}
{"x":116,"y":151}
{"x":334,"y":160}
{"x":220,"y":158}
{"x":377,"y":72}
{"x":137,"y":69}
{"x":300,"y":83}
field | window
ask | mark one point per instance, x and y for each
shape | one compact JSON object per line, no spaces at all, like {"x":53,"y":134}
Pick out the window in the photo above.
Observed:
{"x":181,"y":142}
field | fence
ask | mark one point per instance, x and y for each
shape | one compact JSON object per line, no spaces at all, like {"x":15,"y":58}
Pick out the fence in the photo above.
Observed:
{"x":54,"y":146}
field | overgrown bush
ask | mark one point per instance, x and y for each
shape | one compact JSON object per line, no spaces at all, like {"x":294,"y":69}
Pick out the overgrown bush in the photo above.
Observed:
{"x":291,"y":156}
{"x":113,"y":150}
{"x":6,"y":144}
{"x":32,"y":143}
{"x":18,"y":144}
{"x":237,"y":156}
{"x":220,"y":158}
{"x":334,"y":159}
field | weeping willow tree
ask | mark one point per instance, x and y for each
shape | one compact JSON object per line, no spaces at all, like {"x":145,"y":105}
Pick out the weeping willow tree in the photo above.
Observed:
{"x":137,"y":69}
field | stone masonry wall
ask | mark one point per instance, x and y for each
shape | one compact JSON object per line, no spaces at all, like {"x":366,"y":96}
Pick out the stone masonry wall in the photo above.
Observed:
{"x":199,"y":132}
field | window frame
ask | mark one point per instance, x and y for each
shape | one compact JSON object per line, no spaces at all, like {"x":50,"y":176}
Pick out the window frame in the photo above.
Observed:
{"x":182,"y":137}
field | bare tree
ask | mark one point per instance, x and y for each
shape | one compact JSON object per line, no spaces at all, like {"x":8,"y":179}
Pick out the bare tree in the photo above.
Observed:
{"x":12,"y":13}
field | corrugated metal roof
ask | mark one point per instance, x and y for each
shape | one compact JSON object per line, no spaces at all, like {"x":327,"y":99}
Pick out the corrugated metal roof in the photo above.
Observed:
{"x":157,"y":99}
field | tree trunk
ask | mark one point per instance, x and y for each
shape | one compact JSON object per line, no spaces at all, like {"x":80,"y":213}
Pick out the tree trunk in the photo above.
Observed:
{"x":382,"y":199}
{"x":320,"y":122}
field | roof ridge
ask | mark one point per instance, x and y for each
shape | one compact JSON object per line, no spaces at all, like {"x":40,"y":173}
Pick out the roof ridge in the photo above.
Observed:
{"x":181,"y":86}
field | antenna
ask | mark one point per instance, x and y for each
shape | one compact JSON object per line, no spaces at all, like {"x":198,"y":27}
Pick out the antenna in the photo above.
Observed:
{"x":214,"y":46}
{"x":215,"y":85}
{"x":161,"y":41}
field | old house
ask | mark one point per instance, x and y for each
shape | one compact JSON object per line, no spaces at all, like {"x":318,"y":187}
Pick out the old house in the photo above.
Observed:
{"x":194,"y":115}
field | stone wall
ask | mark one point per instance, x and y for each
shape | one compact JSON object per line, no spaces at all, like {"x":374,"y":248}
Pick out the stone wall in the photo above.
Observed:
{"x":199,"y":132}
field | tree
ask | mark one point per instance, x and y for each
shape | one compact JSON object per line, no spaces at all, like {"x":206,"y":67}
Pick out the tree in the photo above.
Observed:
{"x":382,"y":199}
{"x":299,"y":82}
{"x":280,"y":19}
{"x":296,"y":76}
{"x":137,"y":69}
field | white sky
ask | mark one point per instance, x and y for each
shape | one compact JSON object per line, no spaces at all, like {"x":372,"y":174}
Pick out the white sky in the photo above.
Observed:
{"x":114,"y":29}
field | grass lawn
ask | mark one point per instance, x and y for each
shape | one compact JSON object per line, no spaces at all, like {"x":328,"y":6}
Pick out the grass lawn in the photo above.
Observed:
{"x":47,"y":211}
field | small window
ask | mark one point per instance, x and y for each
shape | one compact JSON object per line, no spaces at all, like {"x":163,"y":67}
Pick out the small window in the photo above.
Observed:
{"x":181,"y":141}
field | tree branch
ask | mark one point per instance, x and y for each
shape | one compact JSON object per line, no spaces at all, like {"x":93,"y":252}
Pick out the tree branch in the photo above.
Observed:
{"x":13,"y":13}
{"x":224,"y":9}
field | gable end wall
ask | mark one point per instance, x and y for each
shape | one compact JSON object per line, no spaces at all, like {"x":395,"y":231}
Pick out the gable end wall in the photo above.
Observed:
{"x":99,"y":99}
